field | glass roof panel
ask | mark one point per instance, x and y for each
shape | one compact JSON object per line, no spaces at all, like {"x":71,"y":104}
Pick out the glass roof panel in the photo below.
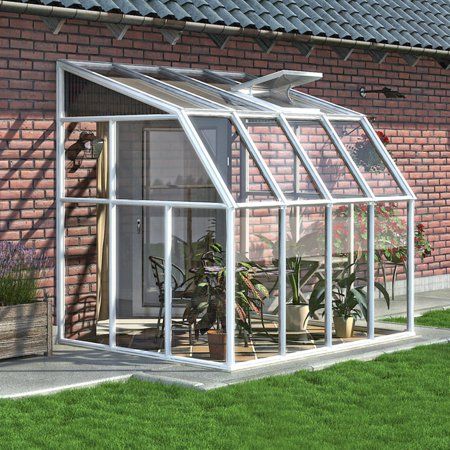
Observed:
{"x":326,"y":158}
{"x":148,"y":88}
{"x":203,"y":86}
{"x":367,"y":158}
{"x":281,"y":158}
{"x":233,"y":159}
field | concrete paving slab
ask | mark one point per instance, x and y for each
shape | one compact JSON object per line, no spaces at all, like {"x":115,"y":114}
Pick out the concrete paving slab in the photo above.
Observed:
{"x":73,"y":367}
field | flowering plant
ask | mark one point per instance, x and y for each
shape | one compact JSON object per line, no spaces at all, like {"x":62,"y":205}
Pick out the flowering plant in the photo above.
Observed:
{"x":365,"y":156}
{"x":390,"y":233}
{"x":19,"y":268}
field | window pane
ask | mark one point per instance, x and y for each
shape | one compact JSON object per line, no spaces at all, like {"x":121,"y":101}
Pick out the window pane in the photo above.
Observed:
{"x":86,"y":161}
{"x":148,"y":88}
{"x":84,"y":98}
{"x":257,"y":283}
{"x":198,"y":294}
{"x":281,"y":159}
{"x":156,"y":161}
{"x":326,"y":158}
{"x":86,"y":272}
{"x":233,"y":160}
{"x":367,"y":158}
{"x":305,"y":269}
{"x":140,"y":278}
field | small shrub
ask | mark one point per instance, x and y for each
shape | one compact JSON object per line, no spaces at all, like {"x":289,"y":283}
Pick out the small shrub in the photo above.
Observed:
{"x":19,"y":269}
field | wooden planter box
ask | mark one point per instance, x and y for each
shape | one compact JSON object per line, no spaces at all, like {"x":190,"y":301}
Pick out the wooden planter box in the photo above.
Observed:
{"x":26,"y":330}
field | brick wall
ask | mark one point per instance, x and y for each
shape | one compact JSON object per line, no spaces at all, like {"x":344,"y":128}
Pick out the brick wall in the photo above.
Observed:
{"x":417,"y":126}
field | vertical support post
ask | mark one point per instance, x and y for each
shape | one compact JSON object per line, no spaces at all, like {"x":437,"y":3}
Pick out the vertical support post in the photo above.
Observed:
{"x":60,"y":209}
{"x":282,"y":281}
{"x":230,"y":287}
{"x":112,"y":233}
{"x":371,"y":270}
{"x":168,"y":213}
{"x":328,"y":275}
{"x":410,"y":266}
{"x":352,"y":234}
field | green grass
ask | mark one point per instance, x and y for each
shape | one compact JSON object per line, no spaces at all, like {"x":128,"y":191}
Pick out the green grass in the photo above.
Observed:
{"x":438,"y":318}
{"x":398,"y":401}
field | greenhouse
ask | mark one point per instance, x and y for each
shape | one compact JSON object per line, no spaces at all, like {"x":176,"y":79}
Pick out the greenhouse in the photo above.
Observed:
{"x":278,"y":220}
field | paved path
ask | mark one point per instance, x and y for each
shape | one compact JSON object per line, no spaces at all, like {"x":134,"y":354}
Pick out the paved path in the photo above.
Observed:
{"x":73,"y":367}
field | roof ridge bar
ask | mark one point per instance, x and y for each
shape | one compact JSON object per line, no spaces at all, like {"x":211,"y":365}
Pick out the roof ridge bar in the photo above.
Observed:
{"x":267,"y":174}
{"x":170,"y":88}
{"x":119,"y":87}
{"x":304,"y":158}
{"x":354,"y":170}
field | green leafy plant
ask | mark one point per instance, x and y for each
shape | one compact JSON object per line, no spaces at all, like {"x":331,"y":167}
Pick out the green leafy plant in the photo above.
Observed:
{"x":349,"y":294}
{"x":19,"y":269}
{"x":209,"y":304}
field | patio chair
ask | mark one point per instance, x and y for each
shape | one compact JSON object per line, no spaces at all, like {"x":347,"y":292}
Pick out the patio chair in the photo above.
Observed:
{"x":180,"y":292}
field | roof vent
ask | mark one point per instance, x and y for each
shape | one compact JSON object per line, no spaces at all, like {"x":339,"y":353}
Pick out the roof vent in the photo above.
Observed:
{"x":277,"y":83}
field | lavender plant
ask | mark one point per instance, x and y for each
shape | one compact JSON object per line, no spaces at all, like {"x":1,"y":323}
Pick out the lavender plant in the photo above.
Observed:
{"x":19,"y":268}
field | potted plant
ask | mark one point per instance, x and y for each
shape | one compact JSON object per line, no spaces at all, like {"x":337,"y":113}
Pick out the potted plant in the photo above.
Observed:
{"x":297,"y":310}
{"x":25,"y":321}
{"x":208,"y":310}
{"x":349,"y":299}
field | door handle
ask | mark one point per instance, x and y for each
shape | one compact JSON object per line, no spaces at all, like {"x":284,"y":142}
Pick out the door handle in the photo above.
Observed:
{"x":138,"y":226}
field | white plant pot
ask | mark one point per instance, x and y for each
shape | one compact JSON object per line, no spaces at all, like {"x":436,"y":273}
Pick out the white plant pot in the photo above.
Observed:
{"x":344,"y":326}
{"x":296,"y":318}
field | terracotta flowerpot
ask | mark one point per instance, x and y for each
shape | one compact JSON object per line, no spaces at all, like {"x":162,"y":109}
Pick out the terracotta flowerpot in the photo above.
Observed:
{"x":217,"y":342}
{"x":296,"y":318}
{"x":344,"y":326}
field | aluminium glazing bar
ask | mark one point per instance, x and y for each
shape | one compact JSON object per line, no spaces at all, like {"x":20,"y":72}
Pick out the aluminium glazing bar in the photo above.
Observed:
{"x":329,"y":276}
{"x":387,"y":158}
{"x":371,"y":270}
{"x":60,"y":209}
{"x":230,"y":286}
{"x":137,"y":117}
{"x":167,"y":320}
{"x":117,"y":86}
{"x":201,"y":101}
{"x":346,"y":157}
{"x":174,"y":204}
{"x":112,"y":234}
{"x":410,"y":265}
{"x":304,"y":158}
{"x":245,"y":136}
{"x":282,"y":282}
{"x":205,"y":158}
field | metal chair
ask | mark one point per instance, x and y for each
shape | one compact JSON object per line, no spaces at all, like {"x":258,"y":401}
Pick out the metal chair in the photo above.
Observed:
{"x":180,"y":291}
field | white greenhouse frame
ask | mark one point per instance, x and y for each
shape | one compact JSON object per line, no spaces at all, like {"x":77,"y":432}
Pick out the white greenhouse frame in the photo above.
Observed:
{"x":257,"y":108}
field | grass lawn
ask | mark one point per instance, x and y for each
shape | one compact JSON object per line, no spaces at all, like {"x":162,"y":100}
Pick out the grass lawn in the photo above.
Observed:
{"x":399,"y":401}
{"x":439,"y":318}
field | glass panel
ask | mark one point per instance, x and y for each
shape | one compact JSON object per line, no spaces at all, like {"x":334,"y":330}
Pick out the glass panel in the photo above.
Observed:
{"x":326,"y":158}
{"x":190,"y":85}
{"x":86,"y":161}
{"x":350,"y":276}
{"x":140,"y":278}
{"x":305,"y":271}
{"x":390,"y":264}
{"x":281,"y":159}
{"x":156,"y":161}
{"x":86,"y":273}
{"x":257,"y":283}
{"x":148,"y":88}
{"x":84,"y":98}
{"x":367,"y":158}
{"x":233,"y":160}
{"x":198,"y":290}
